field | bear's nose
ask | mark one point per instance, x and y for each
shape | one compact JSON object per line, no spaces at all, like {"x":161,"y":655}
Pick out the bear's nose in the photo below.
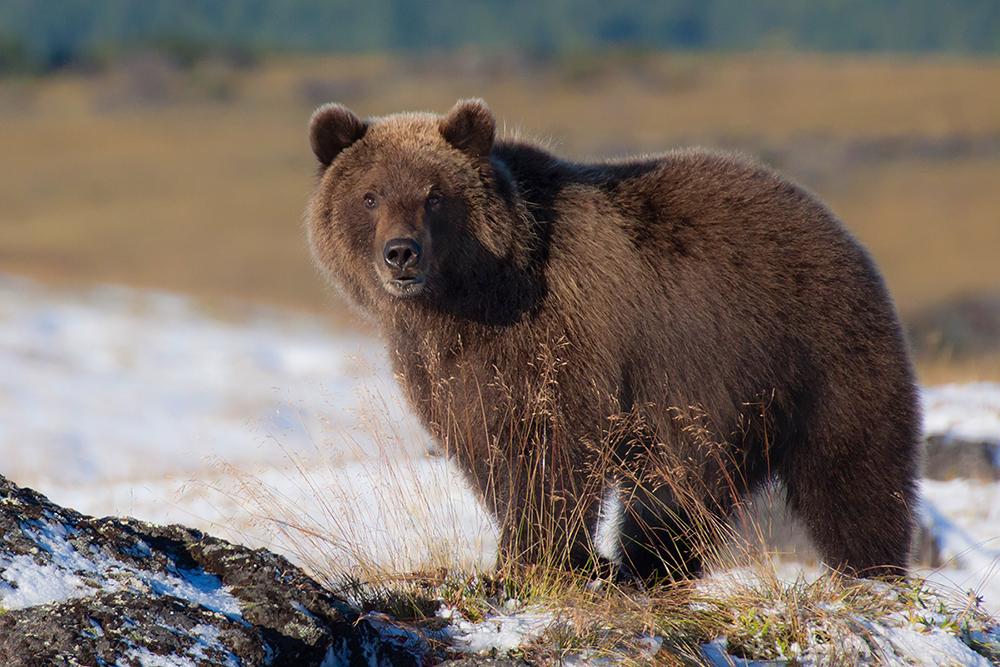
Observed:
{"x":401,"y":254}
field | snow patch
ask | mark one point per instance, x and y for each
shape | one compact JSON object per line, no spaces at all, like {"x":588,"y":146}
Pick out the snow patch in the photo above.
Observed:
{"x":964,"y":517}
{"x":115,"y":383}
{"x":501,"y":633}
{"x":65,"y":573}
{"x":904,"y":645}
{"x":209,"y":639}
{"x":965,"y":411}
{"x":147,"y":658}
{"x":27,"y":584}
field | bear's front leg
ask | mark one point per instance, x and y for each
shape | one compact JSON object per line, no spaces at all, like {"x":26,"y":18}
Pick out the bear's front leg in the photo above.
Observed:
{"x":545,"y":501}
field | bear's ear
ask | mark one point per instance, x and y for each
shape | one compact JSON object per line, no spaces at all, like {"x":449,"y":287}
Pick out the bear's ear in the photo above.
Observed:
{"x":332,"y":128}
{"x":469,"y":127}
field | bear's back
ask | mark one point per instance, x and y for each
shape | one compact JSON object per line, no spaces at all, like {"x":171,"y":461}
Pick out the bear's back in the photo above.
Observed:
{"x":690,"y":219}
{"x":739,"y":275}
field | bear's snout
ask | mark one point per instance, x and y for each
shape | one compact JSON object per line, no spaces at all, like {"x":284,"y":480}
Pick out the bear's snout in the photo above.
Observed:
{"x":402,"y":257}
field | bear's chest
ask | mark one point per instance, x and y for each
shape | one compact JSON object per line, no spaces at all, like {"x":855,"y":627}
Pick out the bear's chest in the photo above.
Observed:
{"x":456,"y":388}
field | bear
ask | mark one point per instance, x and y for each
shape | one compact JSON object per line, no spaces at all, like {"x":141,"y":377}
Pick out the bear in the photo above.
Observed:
{"x":662,"y":335}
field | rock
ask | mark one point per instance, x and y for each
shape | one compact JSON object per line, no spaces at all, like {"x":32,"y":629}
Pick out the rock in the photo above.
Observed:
{"x":80,"y":590}
{"x":948,"y":457}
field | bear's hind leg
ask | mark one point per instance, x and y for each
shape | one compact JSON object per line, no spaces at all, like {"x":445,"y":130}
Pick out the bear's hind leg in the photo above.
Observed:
{"x":854,"y":490}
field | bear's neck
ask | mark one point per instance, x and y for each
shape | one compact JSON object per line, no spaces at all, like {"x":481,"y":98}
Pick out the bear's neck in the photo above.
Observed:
{"x":485,"y":304}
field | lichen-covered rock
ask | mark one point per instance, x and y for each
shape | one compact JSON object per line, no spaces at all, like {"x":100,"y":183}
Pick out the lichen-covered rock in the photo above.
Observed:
{"x":80,"y":590}
{"x":486,"y":661}
{"x":127,"y":628}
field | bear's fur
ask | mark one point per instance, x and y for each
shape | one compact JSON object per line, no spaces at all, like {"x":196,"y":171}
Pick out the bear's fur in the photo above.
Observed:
{"x":677,"y":329}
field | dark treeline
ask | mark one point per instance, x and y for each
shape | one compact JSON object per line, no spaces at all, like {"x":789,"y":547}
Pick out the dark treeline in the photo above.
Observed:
{"x":49,"y":34}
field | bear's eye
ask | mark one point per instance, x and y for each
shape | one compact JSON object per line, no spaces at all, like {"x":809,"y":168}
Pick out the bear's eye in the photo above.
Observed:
{"x":370,"y":201}
{"x":434,"y":199}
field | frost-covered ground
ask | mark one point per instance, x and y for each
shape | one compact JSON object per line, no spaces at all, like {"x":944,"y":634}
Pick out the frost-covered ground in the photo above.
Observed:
{"x":131,"y":402}
{"x":122,"y":401}
{"x":964,"y":514}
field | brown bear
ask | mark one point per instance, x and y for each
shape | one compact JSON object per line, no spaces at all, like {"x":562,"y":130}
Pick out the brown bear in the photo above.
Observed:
{"x":672,"y":331}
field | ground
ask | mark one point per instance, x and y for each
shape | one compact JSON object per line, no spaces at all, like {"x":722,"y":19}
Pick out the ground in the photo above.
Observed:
{"x":120,"y":401}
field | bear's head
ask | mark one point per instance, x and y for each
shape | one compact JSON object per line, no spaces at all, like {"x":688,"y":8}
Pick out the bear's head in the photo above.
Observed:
{"x":411,"y":212}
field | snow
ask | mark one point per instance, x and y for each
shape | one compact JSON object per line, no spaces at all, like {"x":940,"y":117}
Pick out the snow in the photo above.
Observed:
{"x":114,"y":384}
{"x":200,"y":588}
{"x":964,"y":516}
{"x":965,"y":411}
{"x":137,"y":403}
{"x":895,"y":645}
{"x":147,"y":658}
{"x":208,"y":639}
{"x":26,"y":583}
{"x":904,"y":645}
{"x":67,"y":573}
{"x":918,"y":633}
{"x":498,"y":633}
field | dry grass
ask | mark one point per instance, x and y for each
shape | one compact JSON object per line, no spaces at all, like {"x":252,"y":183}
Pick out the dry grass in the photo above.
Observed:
{"x":203,"y":193}
{"x":945,"y":370}
{"x":934,"y":228}
{"x":762,"y":616}
{"x":830,"y":619}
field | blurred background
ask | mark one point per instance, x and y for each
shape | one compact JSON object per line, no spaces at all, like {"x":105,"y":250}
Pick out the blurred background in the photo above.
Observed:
{"x":159,"y":313}
{"x":162,"y":143}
